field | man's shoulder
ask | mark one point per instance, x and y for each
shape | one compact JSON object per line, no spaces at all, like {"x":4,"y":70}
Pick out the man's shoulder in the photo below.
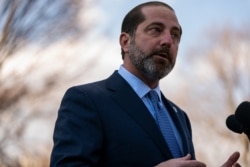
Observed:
{"x":86,"y":87}
{"x":95,"y":86}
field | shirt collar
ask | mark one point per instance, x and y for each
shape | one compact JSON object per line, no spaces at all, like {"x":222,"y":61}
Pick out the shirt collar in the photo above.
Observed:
{"x":137,"y":85}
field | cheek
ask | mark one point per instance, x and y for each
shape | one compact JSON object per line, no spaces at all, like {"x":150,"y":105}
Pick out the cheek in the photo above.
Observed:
{"x":175,"y":50}
{"x":146,"y":45}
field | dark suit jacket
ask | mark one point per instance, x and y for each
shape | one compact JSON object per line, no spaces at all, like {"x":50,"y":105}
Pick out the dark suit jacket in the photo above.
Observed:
{"x":106,"y":124}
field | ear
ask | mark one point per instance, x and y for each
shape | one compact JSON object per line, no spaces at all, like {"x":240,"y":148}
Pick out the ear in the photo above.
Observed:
{"x":124,"y":41}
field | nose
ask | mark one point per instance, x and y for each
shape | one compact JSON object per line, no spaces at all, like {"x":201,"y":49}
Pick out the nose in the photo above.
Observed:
{"x":166,"y":40}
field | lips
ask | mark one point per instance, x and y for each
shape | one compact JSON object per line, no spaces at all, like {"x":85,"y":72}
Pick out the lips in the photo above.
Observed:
{"x":161,"y":55}
{"x":165,"y":55}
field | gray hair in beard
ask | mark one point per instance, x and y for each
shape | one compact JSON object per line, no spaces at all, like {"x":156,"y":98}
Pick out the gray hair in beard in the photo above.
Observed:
{"x":146,"y":65}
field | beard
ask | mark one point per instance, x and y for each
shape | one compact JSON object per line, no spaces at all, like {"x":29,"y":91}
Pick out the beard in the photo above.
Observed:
{"x":147,"y":66}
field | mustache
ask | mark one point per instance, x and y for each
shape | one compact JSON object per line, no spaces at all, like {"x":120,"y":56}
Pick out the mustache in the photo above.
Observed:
{"x":164,"y":51}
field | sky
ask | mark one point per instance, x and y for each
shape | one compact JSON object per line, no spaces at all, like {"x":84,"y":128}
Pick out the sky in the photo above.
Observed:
{"x":194,"y":16}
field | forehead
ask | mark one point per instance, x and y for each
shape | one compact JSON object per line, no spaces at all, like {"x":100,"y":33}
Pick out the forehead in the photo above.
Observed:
{"x":160,"y":14}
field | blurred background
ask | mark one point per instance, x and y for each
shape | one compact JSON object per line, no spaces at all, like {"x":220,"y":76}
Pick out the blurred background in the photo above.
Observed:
{"x":47,"y":46}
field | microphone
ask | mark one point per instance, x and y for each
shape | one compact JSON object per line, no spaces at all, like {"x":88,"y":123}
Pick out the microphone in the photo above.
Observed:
{"x":240,"y":121}
{"x":242,"y":114}
{"x":233,"y":124}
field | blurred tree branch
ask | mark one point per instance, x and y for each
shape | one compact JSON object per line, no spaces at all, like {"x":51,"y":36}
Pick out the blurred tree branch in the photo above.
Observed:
{"x":41,"y":21}
{"x":231,"y":62}
{"x":22,"y":23}
{"x":229,"y":57}
{"x":226,"y":85}
{"x":34,"y":22}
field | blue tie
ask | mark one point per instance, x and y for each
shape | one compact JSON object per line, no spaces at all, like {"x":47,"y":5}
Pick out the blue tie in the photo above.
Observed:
{"x":162,"y":119}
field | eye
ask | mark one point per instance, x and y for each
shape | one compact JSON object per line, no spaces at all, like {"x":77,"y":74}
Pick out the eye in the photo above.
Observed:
{"x":176,"y":35}
{"x":156,"y":30}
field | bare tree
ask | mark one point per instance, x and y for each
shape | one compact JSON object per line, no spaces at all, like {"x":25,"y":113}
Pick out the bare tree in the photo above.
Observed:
{"x":231,"y":63}
{"x":222,"y":76}
{"x":27,"y":22}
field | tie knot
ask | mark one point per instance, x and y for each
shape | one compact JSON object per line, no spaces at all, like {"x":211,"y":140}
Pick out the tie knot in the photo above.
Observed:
{"x":153,"y":96}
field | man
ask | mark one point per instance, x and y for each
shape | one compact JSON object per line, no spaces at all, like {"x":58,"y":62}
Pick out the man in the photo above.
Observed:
{"x":116,"y":122}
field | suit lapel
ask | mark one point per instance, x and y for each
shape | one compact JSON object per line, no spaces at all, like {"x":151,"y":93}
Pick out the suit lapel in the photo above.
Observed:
{"x":135,"y":108}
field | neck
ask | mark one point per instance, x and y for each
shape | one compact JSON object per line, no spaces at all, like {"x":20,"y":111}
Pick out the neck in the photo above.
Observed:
{"x":151,"y":83}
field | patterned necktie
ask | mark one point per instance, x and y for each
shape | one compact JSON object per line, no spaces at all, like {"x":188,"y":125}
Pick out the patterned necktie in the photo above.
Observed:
{"x":162,"y":119}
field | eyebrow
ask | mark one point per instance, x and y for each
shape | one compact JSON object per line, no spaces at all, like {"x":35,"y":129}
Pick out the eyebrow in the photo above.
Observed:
{"x":157,"y":23}
{"x":161,"y":24}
